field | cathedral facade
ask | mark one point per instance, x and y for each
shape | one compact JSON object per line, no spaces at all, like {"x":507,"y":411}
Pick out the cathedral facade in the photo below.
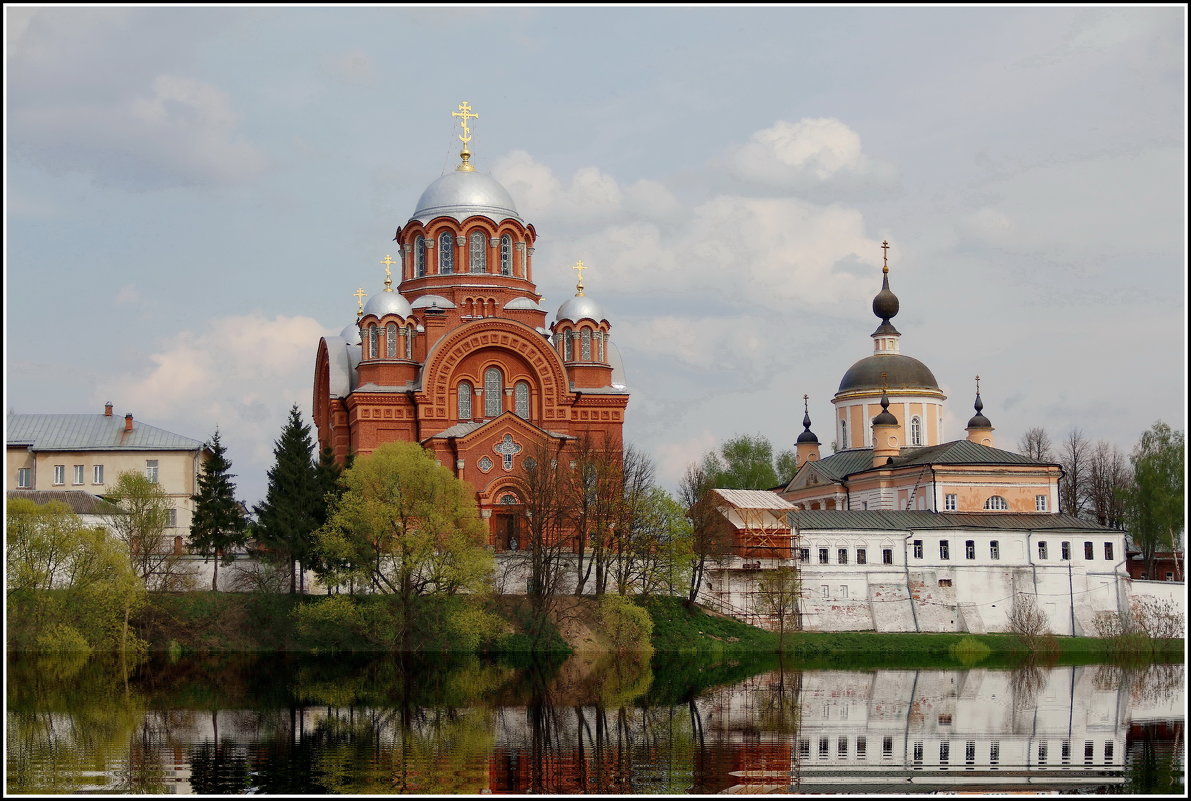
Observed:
{"x":459,"y":356}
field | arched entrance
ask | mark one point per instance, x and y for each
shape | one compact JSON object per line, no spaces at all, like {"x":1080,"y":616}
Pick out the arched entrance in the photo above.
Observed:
{"x":507,"y":522}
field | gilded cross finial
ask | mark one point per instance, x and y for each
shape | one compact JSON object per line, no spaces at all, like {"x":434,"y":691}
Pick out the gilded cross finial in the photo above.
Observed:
{"x":579,"y":268}
{"x":806,"y":404}
{"x":465,"y":113}
{"x":977,"y":385}
{"x":885,"y":247}
{"x":360,"y":294}
{"x":387,"y":260}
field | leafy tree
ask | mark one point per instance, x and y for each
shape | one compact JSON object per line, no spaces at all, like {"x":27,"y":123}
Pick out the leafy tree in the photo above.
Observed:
{"x":141,"y":526}
{"x":1155,"y":504}
{"x":1035,"y":443}
{"x":747,"y":462}
{"x":408,"y":528}
{"x":289,"y":515}
{"x":218,"y":525}
{"x":778,"y":593}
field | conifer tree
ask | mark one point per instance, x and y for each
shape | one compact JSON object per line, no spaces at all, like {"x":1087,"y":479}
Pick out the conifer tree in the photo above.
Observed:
{"x":293,"y":506}
{"x":218,"y":524}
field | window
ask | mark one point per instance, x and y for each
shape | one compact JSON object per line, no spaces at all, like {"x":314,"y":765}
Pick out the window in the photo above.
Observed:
{"x":419,"y":257}
{"x":843,"y":592}
{"x":171,"y":518}
{"x":506,"y":255}
{"x":994,"y":550}
{"x":826,"y":592}
{"x":1065,"y":550}
{"x":1088,"y":553}
{"x":887,"y":747}
{"x":970,"y":549}
{"x":804,"y":554}
{"x":843,"y":556}
{"x":493,"y":392}
{"x":841,"y":746}
{"x":944,"y":582}
{"x":944,"y":549}
{"x":585,"y":345}
{"x":970,"y":752}
{"x":59,"y":474}
{"x":1065,"y":751}
{"x":78,"y":474}
{"x":373,"y":342}
{"x":1108,"y":749}
{"x":918,"y":751}
{"x":996,"y":502}
{"x":521,"y":399}
{"x":822,"y":556}
{"x":804,"y":747}
{"x":1108,"y":551}
{"x":1042,"y":550}
{"x":861,"y":556}
{"x":861,"y":747}
{"x":886,"y":556}
{"x":97,"y":474}
{"x":950,"y":502}
{"x":23,"y":478}
{"x":1042,"y":749}
{"x":994,"y":752}
{"x":151,"y":470}
{"x":446,"y":253}
{"x":824,"y":747}
{"x":464,"y":402}
{"x":1040,"y":503}
{"x":568,"y":339}
{"x":917,"y":549}
{"x":391,"y":341}
{"x":843,"y":433}
{"x":945,"y":751}
{"x":479,"y":254}
{"x":1088,"y":752}
{"x":915,"y":431}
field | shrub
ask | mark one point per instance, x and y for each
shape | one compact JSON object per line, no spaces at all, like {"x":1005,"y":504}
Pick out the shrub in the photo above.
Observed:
{"x":625,"y":626}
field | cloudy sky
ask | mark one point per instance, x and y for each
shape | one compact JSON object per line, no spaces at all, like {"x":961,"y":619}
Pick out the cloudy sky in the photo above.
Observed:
{"x":193,"y":195}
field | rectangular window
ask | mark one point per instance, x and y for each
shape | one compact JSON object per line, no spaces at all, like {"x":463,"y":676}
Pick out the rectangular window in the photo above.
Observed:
{"x":59,"y":474}
{"x":172,"y":518}
{"x":861,"y":556}
{"x":824,"y":747}
{"x":1108,"y":751}
{"x":944,"y":549}
{"x":970,"y":549}
{"x":23,"y":480}
{"x":841,"y":747}
{"x":822,"y":556}
{"x":78,"y":474}
{"x":1088,"y":553}
{"x":843,"y":592}
{"x":151,"y":470}
{"x":949,"y":502}
{"x":804,"y":554}
{"x":970,"y":752}
{"x":804,"y":748}
{"x":944,"y":582}
{"x":862,"y":747}
{"x":1108,"y":551}
{"x":918,"y":751}
{"x":1088,"y":752}
{"x":1065,"y":549}
{"x":1040,"y":503}
{"x":994,"y":550}
{"x":944,"y":719}
{"x":826,"y":592}
{"x":97,"y":474}
{"x":1042,"y":550}
{"x":994,"y":752}
{"x":887,"y":747}
{"x":945,"y":752}
{"x":843,"y":556}
{"x":1065,"y":751}
{"x":1042,"y":753}
{"x":917,"y":549}
{"x":886,"y":556}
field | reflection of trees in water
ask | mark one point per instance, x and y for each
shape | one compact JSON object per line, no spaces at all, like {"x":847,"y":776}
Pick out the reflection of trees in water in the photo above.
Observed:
{"x":1155,"y":766}
{"x":1148,"y":684}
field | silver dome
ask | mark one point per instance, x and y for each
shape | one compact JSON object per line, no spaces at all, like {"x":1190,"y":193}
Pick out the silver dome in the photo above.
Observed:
{"x":351,"y":334}
{"x":523,"y":303}
{"x":426,"y":301}
{"x":383,"y":303}
{"x":578,"y":308}
{"x":463,"y":194}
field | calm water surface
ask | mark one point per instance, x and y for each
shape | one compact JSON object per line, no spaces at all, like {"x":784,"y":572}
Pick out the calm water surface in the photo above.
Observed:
{"x":275,"y":725}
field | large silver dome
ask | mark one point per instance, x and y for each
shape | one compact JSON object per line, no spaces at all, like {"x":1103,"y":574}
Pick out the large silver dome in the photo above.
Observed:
{"x":463,"y":194}
{"x":579,"y":308}
{"x":351,"y":334}
{"x":383,"y":303}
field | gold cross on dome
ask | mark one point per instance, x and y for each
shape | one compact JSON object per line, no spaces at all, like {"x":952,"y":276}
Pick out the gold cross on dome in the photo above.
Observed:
{"x":579,"y":268}
{"x":360,"y":294}
{"x":387,"y":260}
{"x":885,"y":247}
{"x":977,"y":385}
{"x":465,"y":113}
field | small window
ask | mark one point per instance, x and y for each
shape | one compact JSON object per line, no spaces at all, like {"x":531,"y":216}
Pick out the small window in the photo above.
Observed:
{"x":391,"y":340}
{"x":446,"y":252}
{"x":1108,"y":551}
{"x":950,"y":503}
{"x":1042,"y":752}
{"x":23,"y":478}
{"x":823,"y":556}
{"x":841,"y":746}
{"x":479,"y":253}
{"x":994,"y":752}
{"x":970,"y":549}
{"x":826,"y":592}
{"x":59,"y":474}
{"x":1065,"y":550}
{"x":151,"y":470}
{"x":861,"y":556}
{"x":463,"y":404}
{"x":1040,"y":503}
{"x":493,"y":392}
{"x":843,"y":434}
{"x":843,"y":592}
{"x":97,"y":474}
{"x":994,"y":550}
{"x":945,"y":746}
{"x":970,"y":752}
{"x":1065,"y":751}
{"x":171,"y":518}
{"x":886,"y":556}
{"x":79,"y":471}
{"x":1089,"y":752}
{"x":887,"y":748}
{"x":420,"y":257}
{"x":1042,"y":550}
{"x":843,"y":556}
{"x":824,"y":747}
{"x":945,"y":720}
{"x":1108,"y":751}
{"x":585,"y":345}
{"x":521,"y":399}
{"x":944,"y":549}
{"x":804,"y":554}
{"x":918,"y":751}
{"x":804,"y":747}
{"x":1088,"y":552}
{"x":915,"y":431}
{"x":373,"y":342}
{"x":861,"y":747}
{"x":917,"y":549}
{"x":506,"y":255}
{"x":996,"y":502}
{"x":944,"y":582}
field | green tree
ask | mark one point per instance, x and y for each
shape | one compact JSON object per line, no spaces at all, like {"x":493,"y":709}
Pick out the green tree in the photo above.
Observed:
{"x":1155,"y":502}
{"x":408,"y":528}
{"x":710,"y":539}
{"x":747,"y":462}
{"x":218,"y":525}
{"x":144,"y":514}
{"x":70,"y":587}
{"x":289,"y":515}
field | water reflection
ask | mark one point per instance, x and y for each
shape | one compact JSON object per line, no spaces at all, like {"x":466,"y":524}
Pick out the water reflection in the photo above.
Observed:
{"x":247,"y":724}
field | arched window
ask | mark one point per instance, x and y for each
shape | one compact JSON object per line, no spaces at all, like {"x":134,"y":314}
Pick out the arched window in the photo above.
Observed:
{"x":585,"y":345}
{"x":391,"y":341}
{"x":996,"y":502}
{"x":373,"y":342}
{"x":521,"y":399}
{"x":409,"y":342}
{"x":479,"y":253}
{"x":494,"y":391}
{"x":915,"y":431}
{"x":446,"y":252}
{"x":506,"y":255}
{"x":843,"y":434}
{"x":568,"y":346}
{"x":464,"y":402}
{"x":420,"y":256}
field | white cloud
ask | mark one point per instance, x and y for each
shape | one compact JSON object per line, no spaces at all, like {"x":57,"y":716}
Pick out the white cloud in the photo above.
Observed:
{"x":807,"y":152}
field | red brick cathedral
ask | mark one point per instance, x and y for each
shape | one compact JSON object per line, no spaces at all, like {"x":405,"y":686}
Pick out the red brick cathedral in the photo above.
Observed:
{"x":458,"y":357}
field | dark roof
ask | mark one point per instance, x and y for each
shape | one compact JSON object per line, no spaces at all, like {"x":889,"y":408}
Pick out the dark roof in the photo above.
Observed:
{"x":81,"y":503}
{"x":842,"y":463}
{"x":918,"y":520}
{"x":902,"y":372}
{"x":961,"y":451}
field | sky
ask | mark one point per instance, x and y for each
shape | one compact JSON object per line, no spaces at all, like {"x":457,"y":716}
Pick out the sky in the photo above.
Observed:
{"x":193,"y":195}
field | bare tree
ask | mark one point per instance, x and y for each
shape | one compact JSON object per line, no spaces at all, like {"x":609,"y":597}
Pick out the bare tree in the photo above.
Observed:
{"x":633,"y":536}
{"x":778,"y":594}
{"x":547,"y":480}
{"x":1035,"y":443}
{"x":1108,"y":480}
{"x":1074,"y":458}
{"x":1027,"y":621}
{"x":593,"y":506}
{"x":710,"y":537}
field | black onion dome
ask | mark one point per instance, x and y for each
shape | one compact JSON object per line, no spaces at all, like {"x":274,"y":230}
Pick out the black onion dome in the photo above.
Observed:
{"x":979,"y":420}
{"x":807,"y":435}
{"x":885,"y":418}
{"x":885,"y":304}
{"x":902,"y":372}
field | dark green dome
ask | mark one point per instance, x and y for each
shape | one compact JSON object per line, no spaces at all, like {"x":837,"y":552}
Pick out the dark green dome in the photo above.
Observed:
{"x":902,"y":372}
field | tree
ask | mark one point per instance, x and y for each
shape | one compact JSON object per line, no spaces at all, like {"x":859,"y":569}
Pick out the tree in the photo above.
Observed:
{"x":289,"y":515}
{"x":218,"y":525}
{"x":1074,"y":455}
{"x":709,"y":536}
{"x":548,"y":485}
{"x":1035,"y":443}
{"x":1108,"y":480}
{"x":778,"y":593}
{"x":144,"y":514}
{"x":1155,"y":503}
{"x":743,"y":462}
{"x":1027,"y":621}
{"x":592,"y":500}
{"x":408,"y":528}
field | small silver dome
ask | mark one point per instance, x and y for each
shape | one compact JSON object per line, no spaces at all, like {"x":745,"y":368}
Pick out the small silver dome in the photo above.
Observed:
{"x":523,"y":303}
{"x":426,"y":301}
{"x":351,"y":334}
{"x":383,"y":303}
{"x":578,"y":308}
{"x":463,"y":194}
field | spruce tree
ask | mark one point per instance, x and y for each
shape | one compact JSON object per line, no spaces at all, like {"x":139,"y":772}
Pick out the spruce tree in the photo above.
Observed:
{"x":219,"y":524}
{"x":292,"y":508}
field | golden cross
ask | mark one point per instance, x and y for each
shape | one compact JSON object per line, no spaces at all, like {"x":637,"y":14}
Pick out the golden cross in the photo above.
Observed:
{"x":360,"y":294}
{"x":579,"y":268}
{"x":805,"y":403}
{"x":885,"y":247}
{"x":387,"y":260}
{"x":464,"y":113}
